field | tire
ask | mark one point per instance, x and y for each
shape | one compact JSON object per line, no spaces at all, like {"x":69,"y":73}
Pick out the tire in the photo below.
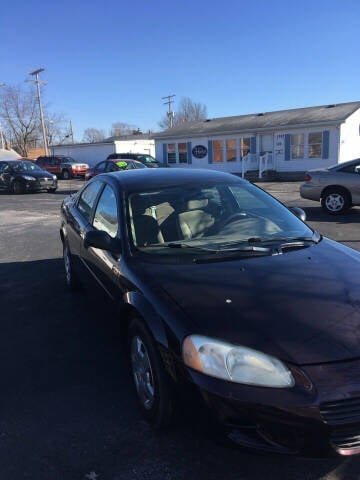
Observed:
{"x":17,"y":187}
{"x":52,"y":190}
{"x":335,"y":201}
{"x":71,"y":279}
{"x":152,"y":385}
{"x":65,"y":175}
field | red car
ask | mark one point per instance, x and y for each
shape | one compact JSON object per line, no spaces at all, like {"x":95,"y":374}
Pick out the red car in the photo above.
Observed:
{"x":114,"y":165}
{"x":62,"y":167}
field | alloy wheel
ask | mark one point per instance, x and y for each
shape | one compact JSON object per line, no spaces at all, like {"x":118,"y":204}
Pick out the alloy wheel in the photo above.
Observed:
{"x":67,"y":264}
{"x":142,"y":372}
{"x":334,"y":202}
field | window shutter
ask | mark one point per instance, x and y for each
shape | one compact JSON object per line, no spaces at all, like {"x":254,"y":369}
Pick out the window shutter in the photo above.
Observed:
{"x":287,"y":147}
{"x":189,"y":153}
{"x":253,"y":145}
{"x":165,"y":159}
{"x":325,"y":144}
{"x":210,"y":151}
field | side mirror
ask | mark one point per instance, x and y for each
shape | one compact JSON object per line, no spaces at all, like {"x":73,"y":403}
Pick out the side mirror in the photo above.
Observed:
{"x":299,"y":212}
{"x":102,"y":240}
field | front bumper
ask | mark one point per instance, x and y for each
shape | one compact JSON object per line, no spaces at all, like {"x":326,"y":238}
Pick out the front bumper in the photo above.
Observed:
{"x":320,"y":416}
{"x":40,"y":184}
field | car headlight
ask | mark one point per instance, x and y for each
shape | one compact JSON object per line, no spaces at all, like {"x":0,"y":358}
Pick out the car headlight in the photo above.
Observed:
{"x":235,"y":363}
{"x":28,"y":177}
{"x":54,"y":177}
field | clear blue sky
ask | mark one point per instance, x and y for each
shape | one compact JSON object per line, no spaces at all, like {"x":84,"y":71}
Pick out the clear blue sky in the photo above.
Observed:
{"x":113,"y":60}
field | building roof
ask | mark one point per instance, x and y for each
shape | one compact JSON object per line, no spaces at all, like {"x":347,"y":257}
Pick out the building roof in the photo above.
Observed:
{"x":8,"y":154}
{"x":321,"y":115}
{"x":107,"y":141}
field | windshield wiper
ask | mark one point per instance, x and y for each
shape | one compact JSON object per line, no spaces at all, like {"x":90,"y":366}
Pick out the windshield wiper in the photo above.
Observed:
{"x":179,"y":245}
{"x":286,"y":240}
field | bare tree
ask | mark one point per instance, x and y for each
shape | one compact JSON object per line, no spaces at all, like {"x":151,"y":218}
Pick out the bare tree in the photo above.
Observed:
{"x":93,"y":135}
{"x":18,"y":109}
{"x":188,"y":111}
{"x":19,"y":115}
{"x":118,"y":129}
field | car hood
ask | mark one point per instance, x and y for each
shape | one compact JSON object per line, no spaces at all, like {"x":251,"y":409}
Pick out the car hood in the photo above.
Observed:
{"x":302,"y":306}
{"x":41,"y":174}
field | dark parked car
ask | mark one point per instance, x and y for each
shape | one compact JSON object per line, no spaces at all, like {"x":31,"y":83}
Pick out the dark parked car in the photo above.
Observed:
{"x":225,"y":291}
{"x":108,"y":166}
{"x":147,"y":160}
{"x":20,"y":176}
{"x":63,"y":167}
{"x":336,"y":187}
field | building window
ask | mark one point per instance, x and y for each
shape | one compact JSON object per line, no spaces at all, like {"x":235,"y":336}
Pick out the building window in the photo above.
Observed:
{"x":230,"y":150}
{"x":297,"y":145}
{"x":218,"y":150}
{"x":171,"y":153}
{"x":244,"y":147}
{"x":182,"y":149}
{"x":315,"y":145}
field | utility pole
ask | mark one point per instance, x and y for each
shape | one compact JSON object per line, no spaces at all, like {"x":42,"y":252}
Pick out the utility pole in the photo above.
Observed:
{"x":170,"y":112}
{"x":38,"y":82}
{"x":71,"y":132}
{"x":2,"y":84}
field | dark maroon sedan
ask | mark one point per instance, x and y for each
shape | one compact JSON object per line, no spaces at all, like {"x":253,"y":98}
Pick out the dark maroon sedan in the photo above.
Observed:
{"x":226,"y":292}
{"x":113,"y":165}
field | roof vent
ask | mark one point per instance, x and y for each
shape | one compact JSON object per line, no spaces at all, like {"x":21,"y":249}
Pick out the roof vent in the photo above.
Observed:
{"x":260,"y":114}
{"x":331,"y":106}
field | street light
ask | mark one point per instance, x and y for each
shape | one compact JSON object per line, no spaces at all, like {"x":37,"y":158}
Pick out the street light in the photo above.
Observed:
{"x":38,"y":82}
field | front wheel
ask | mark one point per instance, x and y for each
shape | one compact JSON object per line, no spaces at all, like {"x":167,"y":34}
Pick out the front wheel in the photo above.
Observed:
{"x":66,"y":175}
{"x":335,"y":201}
{"x":151,"y":381}
{"x":17,"y":187}
{"x":52,"y":190}
{"x":70,"y":277}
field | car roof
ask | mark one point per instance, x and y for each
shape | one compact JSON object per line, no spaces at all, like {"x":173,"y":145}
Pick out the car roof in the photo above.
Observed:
{"x":16,"y":161}
{"x":162,"y":177}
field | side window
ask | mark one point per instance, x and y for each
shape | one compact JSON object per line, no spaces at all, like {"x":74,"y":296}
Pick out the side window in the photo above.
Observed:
{"x":110,"y":167}
{"x":87,"y":199}
{"x":105,"y":217}
{"x":351,"y":169}
{"x":100,"y":168}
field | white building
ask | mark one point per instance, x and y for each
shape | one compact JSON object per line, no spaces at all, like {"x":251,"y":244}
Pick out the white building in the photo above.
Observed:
{"x":285,"y":141}
{"x":93,"y":153}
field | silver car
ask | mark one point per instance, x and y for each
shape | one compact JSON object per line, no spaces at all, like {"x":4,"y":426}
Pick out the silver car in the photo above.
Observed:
{"x":337,"y":187}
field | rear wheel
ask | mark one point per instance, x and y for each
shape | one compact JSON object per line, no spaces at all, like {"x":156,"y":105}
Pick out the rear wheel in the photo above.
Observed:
{"x":152,"y":384}
{"x":17,"y":187}
{"x":335,"y":201}
{"x":66,"y":174}
{"x":70,"y":277}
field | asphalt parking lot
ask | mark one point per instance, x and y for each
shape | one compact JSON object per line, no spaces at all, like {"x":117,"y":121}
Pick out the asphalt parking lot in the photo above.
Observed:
{"x":68,"y":410}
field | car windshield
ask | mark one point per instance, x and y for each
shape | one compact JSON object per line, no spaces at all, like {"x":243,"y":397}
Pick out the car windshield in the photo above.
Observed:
{"x":24,"y":166}
{"x":147,"y":158}
{"x":68,"y":160}
{"x":209,"y":218}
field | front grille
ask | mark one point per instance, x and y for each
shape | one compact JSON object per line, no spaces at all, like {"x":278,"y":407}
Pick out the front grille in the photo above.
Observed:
{"x":341,"y":411}
{"x":346,"y":438}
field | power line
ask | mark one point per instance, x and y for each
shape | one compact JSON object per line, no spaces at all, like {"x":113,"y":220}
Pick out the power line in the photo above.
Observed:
{"x":170,"y":112}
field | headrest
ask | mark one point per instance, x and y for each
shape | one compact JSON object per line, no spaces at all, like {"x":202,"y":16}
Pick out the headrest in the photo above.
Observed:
{"x":197,"y":204}
{"x":140,"y":203}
